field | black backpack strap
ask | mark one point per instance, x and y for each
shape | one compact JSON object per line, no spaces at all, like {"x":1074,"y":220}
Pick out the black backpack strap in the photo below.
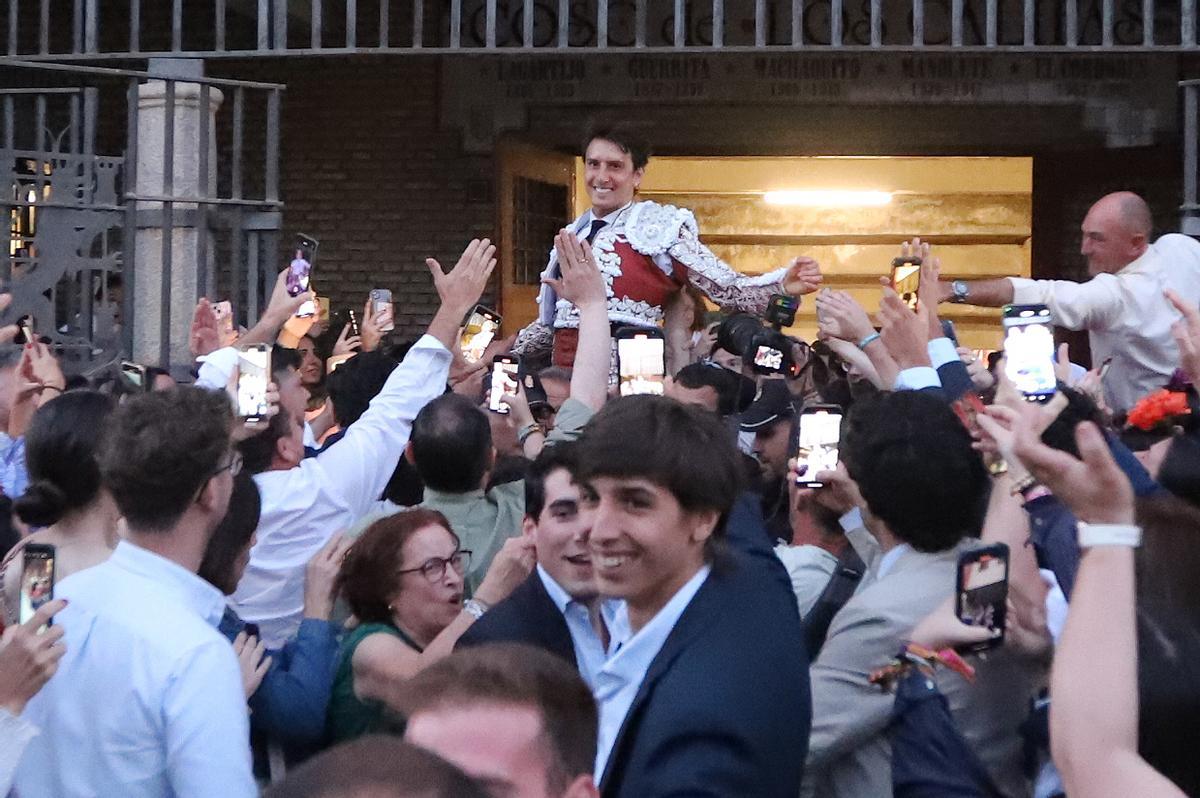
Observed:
{"x":846,"y":576}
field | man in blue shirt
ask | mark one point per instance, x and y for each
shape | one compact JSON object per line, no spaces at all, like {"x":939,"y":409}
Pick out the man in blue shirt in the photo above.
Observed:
{"x":148,"y":700}
{"x":705,"y":691}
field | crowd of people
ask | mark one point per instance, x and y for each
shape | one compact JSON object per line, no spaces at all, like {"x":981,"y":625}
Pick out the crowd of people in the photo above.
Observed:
{"x":394,"y":583}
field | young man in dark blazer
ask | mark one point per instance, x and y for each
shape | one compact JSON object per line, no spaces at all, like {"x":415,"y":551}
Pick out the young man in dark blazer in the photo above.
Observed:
{"x":558,"y":607}
{"x":705,"y":692}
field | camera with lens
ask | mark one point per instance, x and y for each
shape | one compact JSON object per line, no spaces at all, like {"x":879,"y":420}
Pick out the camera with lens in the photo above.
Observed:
{"x":765,"y":348}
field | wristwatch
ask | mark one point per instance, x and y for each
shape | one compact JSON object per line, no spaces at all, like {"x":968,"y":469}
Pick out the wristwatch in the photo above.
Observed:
{"x":961,"y":290}
{"x":475,"y":608}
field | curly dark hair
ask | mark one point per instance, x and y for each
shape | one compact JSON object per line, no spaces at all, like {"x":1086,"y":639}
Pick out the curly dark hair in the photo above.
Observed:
{"x":161,"y":449}
{"x":368,"y":574}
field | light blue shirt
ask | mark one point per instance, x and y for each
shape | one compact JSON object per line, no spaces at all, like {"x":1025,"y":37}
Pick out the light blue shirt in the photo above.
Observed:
{"x":589,"y":648}
{"x":888,"y":560}
{"x":621,"y":677}
{"x":14,"y":478}
{"x":148,"y":698}
{"x":941,"y":351}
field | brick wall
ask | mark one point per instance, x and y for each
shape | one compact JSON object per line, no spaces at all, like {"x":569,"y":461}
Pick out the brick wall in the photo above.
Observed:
{"x":366,"y":169}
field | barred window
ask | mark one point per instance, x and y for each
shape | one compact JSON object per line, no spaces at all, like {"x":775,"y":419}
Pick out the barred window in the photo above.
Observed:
{"x":538,"y":214}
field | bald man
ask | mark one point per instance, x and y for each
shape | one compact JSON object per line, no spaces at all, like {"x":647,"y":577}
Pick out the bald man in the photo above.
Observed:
{"x":1122,"y":307}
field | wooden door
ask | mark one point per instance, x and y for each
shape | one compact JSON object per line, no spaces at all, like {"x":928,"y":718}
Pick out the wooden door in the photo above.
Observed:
{"x":535,"y":201}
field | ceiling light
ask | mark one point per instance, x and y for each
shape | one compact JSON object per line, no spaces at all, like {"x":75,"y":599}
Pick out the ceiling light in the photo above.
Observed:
{"x":836,"y":199}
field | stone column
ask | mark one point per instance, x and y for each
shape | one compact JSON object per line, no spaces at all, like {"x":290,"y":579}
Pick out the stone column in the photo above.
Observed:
{"x":188,"y":182}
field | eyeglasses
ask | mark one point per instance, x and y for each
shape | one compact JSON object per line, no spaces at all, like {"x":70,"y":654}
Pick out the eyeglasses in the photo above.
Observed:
{"x":434,"y":569}
{"x":234,"y":466}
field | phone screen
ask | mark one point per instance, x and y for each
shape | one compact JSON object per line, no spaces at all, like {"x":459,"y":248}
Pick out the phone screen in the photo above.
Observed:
{"x":223,"y":312}
{"x":642,"y":364}
{"x":906,"y":280}
{"x":817,"y":444}
{"x":478,"y":334}
{"x":134,"y":375}
{"x":768,"y":359}
{"x":37,"y":579}
{"x":1029,"y":351}
{"x":381,"y":303}
{"x":504,"y":380}
{"x":983,"y":591}
{"x":254,"y":364}
{"x":300,"y":273}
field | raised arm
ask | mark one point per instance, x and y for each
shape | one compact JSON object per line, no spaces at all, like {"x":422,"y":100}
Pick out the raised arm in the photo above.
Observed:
{"x":361,"y":463}
{"x":1095,"y":742}
{"x":582,"y":285}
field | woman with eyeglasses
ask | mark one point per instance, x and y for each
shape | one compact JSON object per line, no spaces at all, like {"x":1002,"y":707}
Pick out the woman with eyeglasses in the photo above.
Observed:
{"x":403,"y":581}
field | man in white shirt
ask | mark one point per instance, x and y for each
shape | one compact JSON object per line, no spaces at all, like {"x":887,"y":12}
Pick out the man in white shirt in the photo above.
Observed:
{"x":306,"y":500}
{"x":148,"y":700}
{"x":1122,"y":307}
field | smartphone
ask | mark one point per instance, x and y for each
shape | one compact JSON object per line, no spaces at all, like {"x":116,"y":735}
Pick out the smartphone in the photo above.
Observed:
{"x":134,"y":375}
{"x":37,"y":579}
{"x":949,"y":332}
{"x":482,"y":327}
{"x":506,"y":371}
{"x":641,"y":361}
{"x":381,"y":302}
{"x":1029,"y":351}
{"x":906,"y":279}
{"x":968,"y":409}
{"x":223,"y":312}
{"x":354,"y":328}
{"x":254,"y":373}
{"x":817,"y":442}
{"x":781,"y":310}
{"x":25,"y":333}
{"x":981,"y":596}
{"x":299,"y":276}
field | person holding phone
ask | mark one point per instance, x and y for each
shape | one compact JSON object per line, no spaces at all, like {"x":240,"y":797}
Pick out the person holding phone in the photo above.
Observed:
{"x":923,"y":485}
{"x":306,"y":500}
{"x":65,"y":499}
{"x":650,"y":251}
{"x":453,"y":445}
{"x":29,"y":655}
{"x":1122,"y":307}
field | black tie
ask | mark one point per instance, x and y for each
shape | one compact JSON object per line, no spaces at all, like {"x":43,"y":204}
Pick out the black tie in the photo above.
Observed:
{"x":596,"y":225}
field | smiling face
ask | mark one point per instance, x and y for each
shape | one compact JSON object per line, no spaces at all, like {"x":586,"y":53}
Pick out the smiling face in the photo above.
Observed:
{"x":561,"y":534}
{"x":644,"y":545}
{"x":609,"y":176}
{"x":421,"y":607}
{"x":311,"y":368}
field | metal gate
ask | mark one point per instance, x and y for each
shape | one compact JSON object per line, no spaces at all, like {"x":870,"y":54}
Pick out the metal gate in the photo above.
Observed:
{"x":204,"y":213}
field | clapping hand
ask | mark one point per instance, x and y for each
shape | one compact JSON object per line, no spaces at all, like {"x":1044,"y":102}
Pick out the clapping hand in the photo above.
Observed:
{"x":581,"y":282}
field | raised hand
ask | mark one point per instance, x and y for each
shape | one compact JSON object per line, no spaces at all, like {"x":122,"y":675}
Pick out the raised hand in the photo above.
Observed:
{"x":460,"y":287}
{"x":346,"y":343}
{"x":803,"y":276}
{"x":581,"y":282}
{"x":904,"y":333}
{"x":1093,"y":486}
{"x":1186,"y":333}
{"x":253,"y":661}
{"x":29,"y":656}
{"x":509,"y":568}
{"x":205,"y":336}
{"x":320,"y":574}
{"x":840,"y":316}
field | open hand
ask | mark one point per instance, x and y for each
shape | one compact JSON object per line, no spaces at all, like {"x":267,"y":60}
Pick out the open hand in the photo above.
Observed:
{"x":253,"y":661}
{"x":205,"y":336}
{"x":581,"y":282}
{"x":803,"y":276}
{"x":461,"y":287}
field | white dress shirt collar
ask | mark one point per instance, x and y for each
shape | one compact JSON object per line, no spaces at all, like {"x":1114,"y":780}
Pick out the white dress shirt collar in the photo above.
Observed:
{"x":590,"y":653}
{"x":887,"y":561}
{"x":619,"y":680}
{"x":194,"y":592}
